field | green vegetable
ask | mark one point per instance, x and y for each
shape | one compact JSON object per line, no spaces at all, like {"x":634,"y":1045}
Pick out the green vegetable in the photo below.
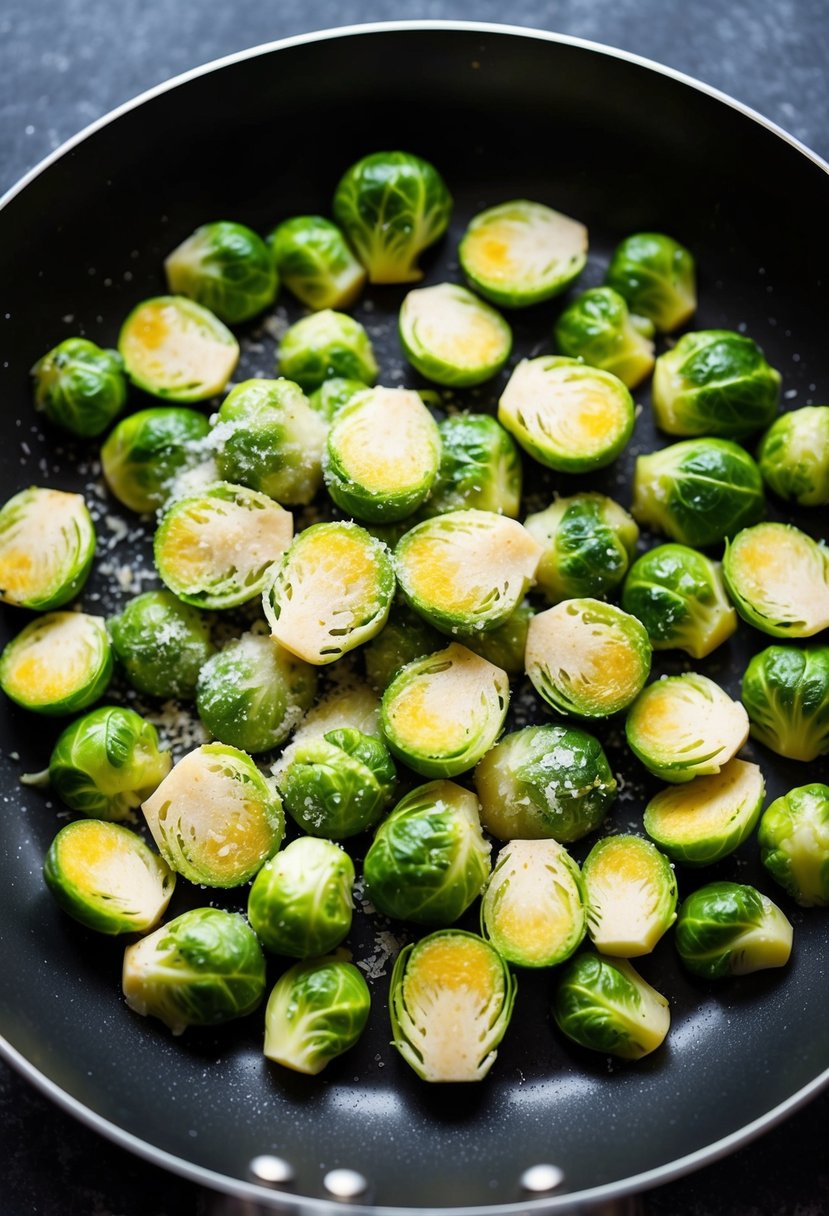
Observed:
{"x":794,"y":844}
{"x":452,"y":337}
{"x":451,"y":1002}
{"x":300,"y":901}
{"x":333,"y":394}
{"x":545,"y":782}
{"x":588,"y":541}
{"x":679,"y":596}
{"x":147,"y":453}
{"x":656,"y":276}
{"x":317,"y":1010}
{"x":727,"y":929}
{"x":392,"y":206}
{"x":480,"y":468}
{"x":698,"y":492}
{"x":323,"y":345}
{"x":705,"y":820}
{"x":786,"y":694}
{"x":80,"y":387}
{"x":315,"y":263}
{"x":428,"y":860}
{"x":520,"y":253}
{"x":598,"y":328}
{"x":794,"y":456}
{"x":174,"y":348}
{"x":630,"y":891}
{"x":604,"y":1004}
{"x":226,"y":267}
{"x":506,"y":645}
{"x":58,"y":664}
{"x":568,"y":416}
{"x":778,"y":578}
{"x":685,"y":726}
{"x":104,"y":876}
{"x":201,"y":969}
{"x":337,"y":784}
{"x":404,"y":638}
{"x":161,"y":644}
{"x":533,"y":906}
{"x":47,"y":543}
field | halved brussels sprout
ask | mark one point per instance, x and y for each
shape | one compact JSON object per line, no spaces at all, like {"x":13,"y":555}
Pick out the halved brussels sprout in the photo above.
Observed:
{"x":604,"y":1004}
{"x":466,"y":571}
{"x":451,"y":1000}
{"x":714,"y":382}
{"x":705,"y":820}
{"x":794,"y":844}
{"x":148,"y":452}
{"x":314,"y":262}
{"x":347,"y":704}
{"x":106,"y":763}
{"x":727,"y":928}
{"x":174,"y":348}
{"x":323,"y":345}
{"x":392,"y":206}
{"x":440,"y":714}
{"x":506,"y":645}
{"x":300,"y":901}
{"x":47,"y":543}
{"x":794,"y":456}
{"x":404,"y":638}
{"x":599,"y":329}
{"x":533,"y":908}
{"x":630,"y":891}
{"x":161,"y":644}
{"x":80,"y":387}
{"x":544,"y":782}
{"x":104,"y":876}
{"x":568,"y":416}
{"x":383,"y":455}
{"x":267,"y":437}
{"x":587,"y":658}
{"x":452,"y":337}
{"x":698,"y":492}
{"x":588,"y":541}
{"x":317,"y":1010}
{"x":656,"y":275}
{"x":331,"y":592}
{"x":685,"y":726}
{"x":337,"y":785}
{"x":227,"y":267}
{"x":253,"y":693}
{"x":778,"y":578}
{"x":679,"y":596}
{"x":429,"y":859}
{"x":215,"y":549}
{"x":786,"y":693}
{"x":521,"y":253}
{"x":480,"y":468}
{"x":201,"y":969}
{"x":215,"y":818}
{"x":333,"y":394}
{"x":58,"y":664}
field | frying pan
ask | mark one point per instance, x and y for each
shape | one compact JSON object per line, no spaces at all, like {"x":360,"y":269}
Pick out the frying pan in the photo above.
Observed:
{"x":623,"y":145}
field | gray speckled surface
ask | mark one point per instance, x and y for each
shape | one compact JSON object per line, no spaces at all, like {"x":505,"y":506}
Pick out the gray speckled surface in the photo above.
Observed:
{"x":63,"y":64}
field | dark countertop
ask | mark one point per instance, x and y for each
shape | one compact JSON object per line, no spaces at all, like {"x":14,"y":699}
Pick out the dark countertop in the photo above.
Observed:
{"x":63,"y":64}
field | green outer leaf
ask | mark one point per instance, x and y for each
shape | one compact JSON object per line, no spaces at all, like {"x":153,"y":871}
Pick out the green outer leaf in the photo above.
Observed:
{"x":588,"y":542}
{"x":480,"y":468}
{"x":597,"y":328}
{"x":794,"y":844}
{"x":338,"y":785}
{"x":324,"y":345}
{"x":315,"y":263}
{"x":300,"y":901}
{"x":794,"y":456}
{"x":656,"y":275}
{"x":317,"y":1010}
{"x":80,"y":387}
{"x":785,"y":691}
{"x":727,"y":928}
{"x":679,"y":596}
{"x":161,"y":644}
{"x":225,"y":267}
{"x":604,"y":1004}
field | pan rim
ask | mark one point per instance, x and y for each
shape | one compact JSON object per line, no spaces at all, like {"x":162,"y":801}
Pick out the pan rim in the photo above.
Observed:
{"x":314,"y":1206}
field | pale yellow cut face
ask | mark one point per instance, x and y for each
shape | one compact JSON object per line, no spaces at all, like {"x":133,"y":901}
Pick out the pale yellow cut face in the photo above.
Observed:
{"x":99,"y":860}
{"x":170,"y":347}
{"x":532,"y":906}
{"x":445,"y":709}
{"x":33,"y":549}
{"x":565,"y":405}
{"x":627,"y":893}
{"x":707,"y":805}
{"x":595,"y":662}
{"x":681,"y":719}
{"x":217,"y":537}
{"x":779,"y":570}
{"x":454,"y":328}
{"x":53,"y":663}
{"x":388,"y":442}
{"x":523,"y":246}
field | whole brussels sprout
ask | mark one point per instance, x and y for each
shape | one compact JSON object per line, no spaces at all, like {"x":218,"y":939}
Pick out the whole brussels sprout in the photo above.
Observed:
{"x":604,"y":1004}
{"x":698,"y":492}
{"x":148,"y":452}
{"x":161,"y":644}
{"x":794,"y":844}
{"x":314,"y":262}
{"x":451,"y":1000}
{"x":267,"y":437}
{"x":404,"y":638}
{"x":392,"y":206}
{"x":300,"y":901}
{"x":728,"y":928}
{"x":786,"y":693}
{"x":201,"y":969}
{"x":544,"y":782}
{"x":778,"y":578}
{"x":227,"y":267}
{"x":323,"y":345}
{"x":704,"y":820}
{"x":598,"y":328}
{"x":338,"y":784}
{"x":58,"y":664}
{"x":794,"y":456}
{"x":588,"y":541}
{"x":679,"y":596}
{"x":80,"y":387}
{"x":630,"y":894}
{"x":452,"y":337}
{"x":174,"y":348}
{"x":656,"y":275}
{"x":480,"y":468}
{"x":429,"y":859}
{"x":505,"y":646}
{"x":47,"y":543}
{"x":317,"y":1010}
{"x":533,"y":907}
{"x":107,"y":763}
{"x":253,"y":693}
{"x":714,"y":382}
{"x":333,"y":394}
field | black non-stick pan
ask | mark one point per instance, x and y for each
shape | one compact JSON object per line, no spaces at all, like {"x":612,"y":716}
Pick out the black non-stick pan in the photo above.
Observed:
{"x":623,"y":146}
